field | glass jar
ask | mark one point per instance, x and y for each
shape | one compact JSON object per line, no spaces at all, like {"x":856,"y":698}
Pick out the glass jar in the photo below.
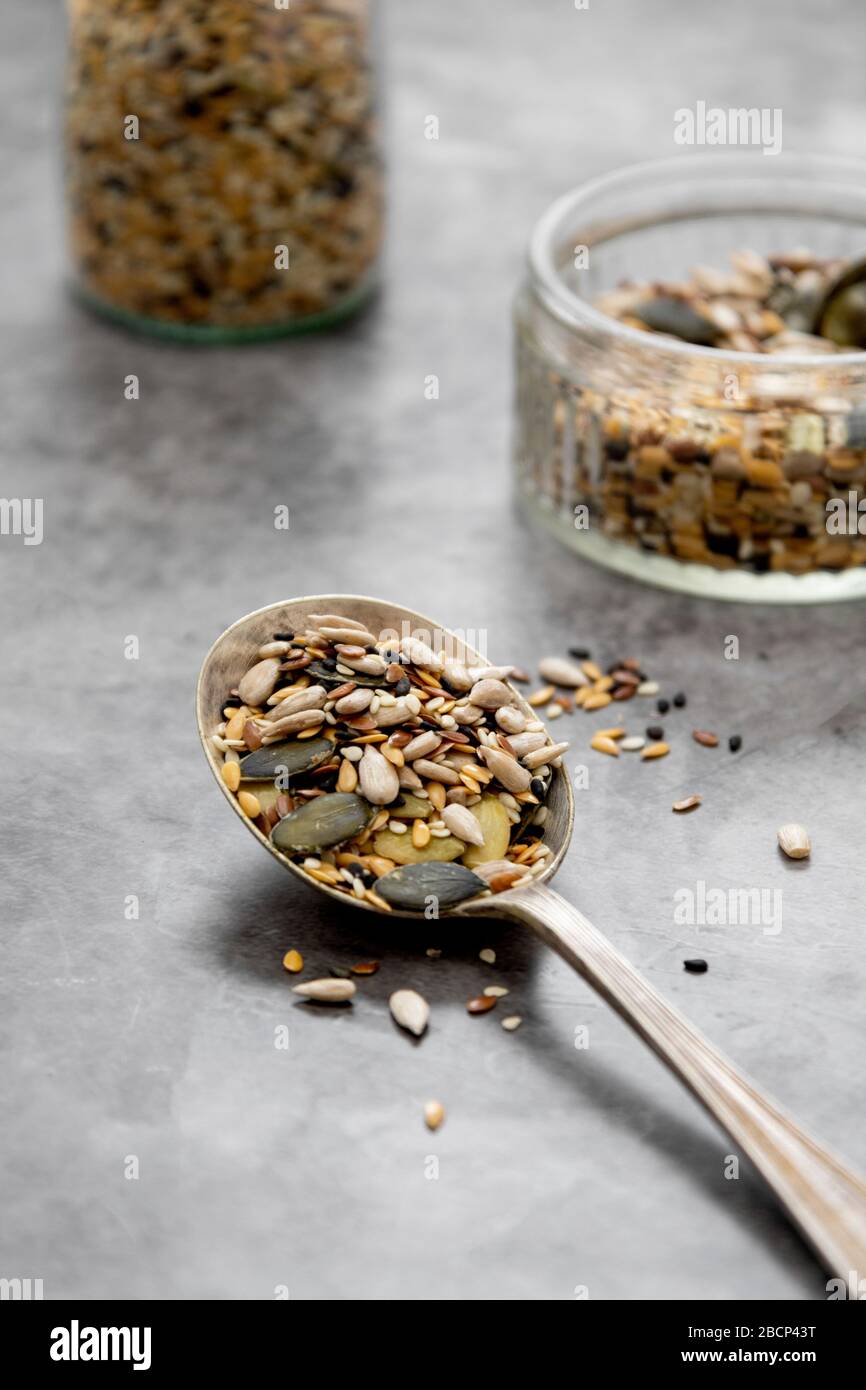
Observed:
{"x":731,"y":474}
{"x":223,"y":164}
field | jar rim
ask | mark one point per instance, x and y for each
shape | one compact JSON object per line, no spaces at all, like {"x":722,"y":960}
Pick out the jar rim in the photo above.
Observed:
{"x":577,"y":313}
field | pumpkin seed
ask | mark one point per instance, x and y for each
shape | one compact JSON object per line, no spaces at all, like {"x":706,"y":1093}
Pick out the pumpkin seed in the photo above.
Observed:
{"x":324,"y":676}
{"x":322,"y":823}
{"x":492,"y":816}
{"x":665,"y":314}
{"x":411,"y":807}
{"x":441,"y":849}
{"x":295,"y":757}
{"x":412,"y":885}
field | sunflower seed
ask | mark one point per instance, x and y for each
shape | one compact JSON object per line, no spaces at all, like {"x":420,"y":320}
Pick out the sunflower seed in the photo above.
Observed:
{"x":410,"y":1010}
{"x":508,"y":771}
{"x":557,"y":671}
{"x":312,"y":698}
{"x":259,"y":681}
{"x":463,"y":824}
{"x":541,"y":757}
{"x":327,"y":991}
{"x":794,"y":841}
{"x":379,"y":779}
{"x":605,"y":745}
{"x":421,"y":745}
{"x":490,"y":694}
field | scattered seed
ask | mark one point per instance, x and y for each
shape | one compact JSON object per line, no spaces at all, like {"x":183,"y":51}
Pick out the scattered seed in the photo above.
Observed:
{"x":365,"y":967}
{"x":488,"y":955}
{"x":542,"y":696}
{"x":735,"y":743}
{"x":704,"y":737}
{"x":293,"y":961}
{"x":512,"y":1022}
{"x":655,"y":731}
{"x":434,"y":1114}
{"x":663,"y":706}
{"x":696,"y":966}
{"x":680,"y":700}
{"x":495,"y":991}
{"x":433,"y":952}
{"x":648,"y":688}
{"x":610,"y":733}
{"x":597,"y":700}
{"x":632,"y":744}
{"x":481,"y":1005}
{"x":794,"y":841}
{"x":605,"y":745}
{"x":690,"y":803}
{"x":654,"y":750}
{"x":410,"y":1010}
{"x":327,"y":991}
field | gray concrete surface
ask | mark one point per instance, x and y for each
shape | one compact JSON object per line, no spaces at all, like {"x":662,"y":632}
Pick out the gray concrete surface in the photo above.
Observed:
{"x":558,"y":1167}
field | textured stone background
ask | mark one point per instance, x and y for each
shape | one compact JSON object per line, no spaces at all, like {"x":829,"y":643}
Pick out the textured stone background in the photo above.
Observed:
{"x":558,"y":1167}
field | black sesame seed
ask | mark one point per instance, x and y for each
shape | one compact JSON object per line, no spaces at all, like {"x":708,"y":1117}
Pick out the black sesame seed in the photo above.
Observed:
{"x":537,"y":788}
{"x":680,"y":700}
{"x":283,"y":637}
{"x":696,"y":967}
{"x":329,"y":663}
{"x":403,"y":686}
{"x":579,"y":653}
{"x":735,"y":743}
{"x":655,"y":731}
{"x":663,"y":706}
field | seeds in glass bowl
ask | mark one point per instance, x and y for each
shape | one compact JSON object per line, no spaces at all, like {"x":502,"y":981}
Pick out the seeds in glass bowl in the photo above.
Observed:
{"x":408,"y":784}
{"x":738,"y":468}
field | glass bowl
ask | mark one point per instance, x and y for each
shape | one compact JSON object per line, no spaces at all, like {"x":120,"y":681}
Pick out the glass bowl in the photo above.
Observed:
{"x":735,"y":475}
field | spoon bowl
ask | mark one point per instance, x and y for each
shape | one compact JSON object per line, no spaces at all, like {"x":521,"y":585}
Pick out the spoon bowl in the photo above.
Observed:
{"x":229,"y":658}
{"x":823,"y":1196}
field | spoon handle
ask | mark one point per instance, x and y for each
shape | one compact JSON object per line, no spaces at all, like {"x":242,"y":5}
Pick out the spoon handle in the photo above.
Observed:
{"x":826,"y":1200}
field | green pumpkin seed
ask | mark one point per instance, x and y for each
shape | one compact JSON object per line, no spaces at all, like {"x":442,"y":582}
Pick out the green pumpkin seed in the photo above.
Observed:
{"x":325,"y":677}
{"x":296,"y":755}
{"x":412,"y":885}
{"x":322,"y":823}
{"x":411,"y":807}
{"x":668,"y":315}
{"x":843,"y":319}
{"x":439,"y":849}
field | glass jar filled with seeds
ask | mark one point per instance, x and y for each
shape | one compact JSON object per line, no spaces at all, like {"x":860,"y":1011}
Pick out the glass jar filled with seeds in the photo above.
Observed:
{"x":223,"y":164}
{"x":691,"y":375}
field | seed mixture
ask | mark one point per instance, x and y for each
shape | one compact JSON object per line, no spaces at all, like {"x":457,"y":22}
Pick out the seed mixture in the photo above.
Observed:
{"x":762,"y":304}
{"x":256,"y":130}
{"x":730,"y":470}
{"x":386,"y":770}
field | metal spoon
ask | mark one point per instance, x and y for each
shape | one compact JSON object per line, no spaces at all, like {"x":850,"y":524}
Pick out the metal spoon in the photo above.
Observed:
{"x":823,"y":1197}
